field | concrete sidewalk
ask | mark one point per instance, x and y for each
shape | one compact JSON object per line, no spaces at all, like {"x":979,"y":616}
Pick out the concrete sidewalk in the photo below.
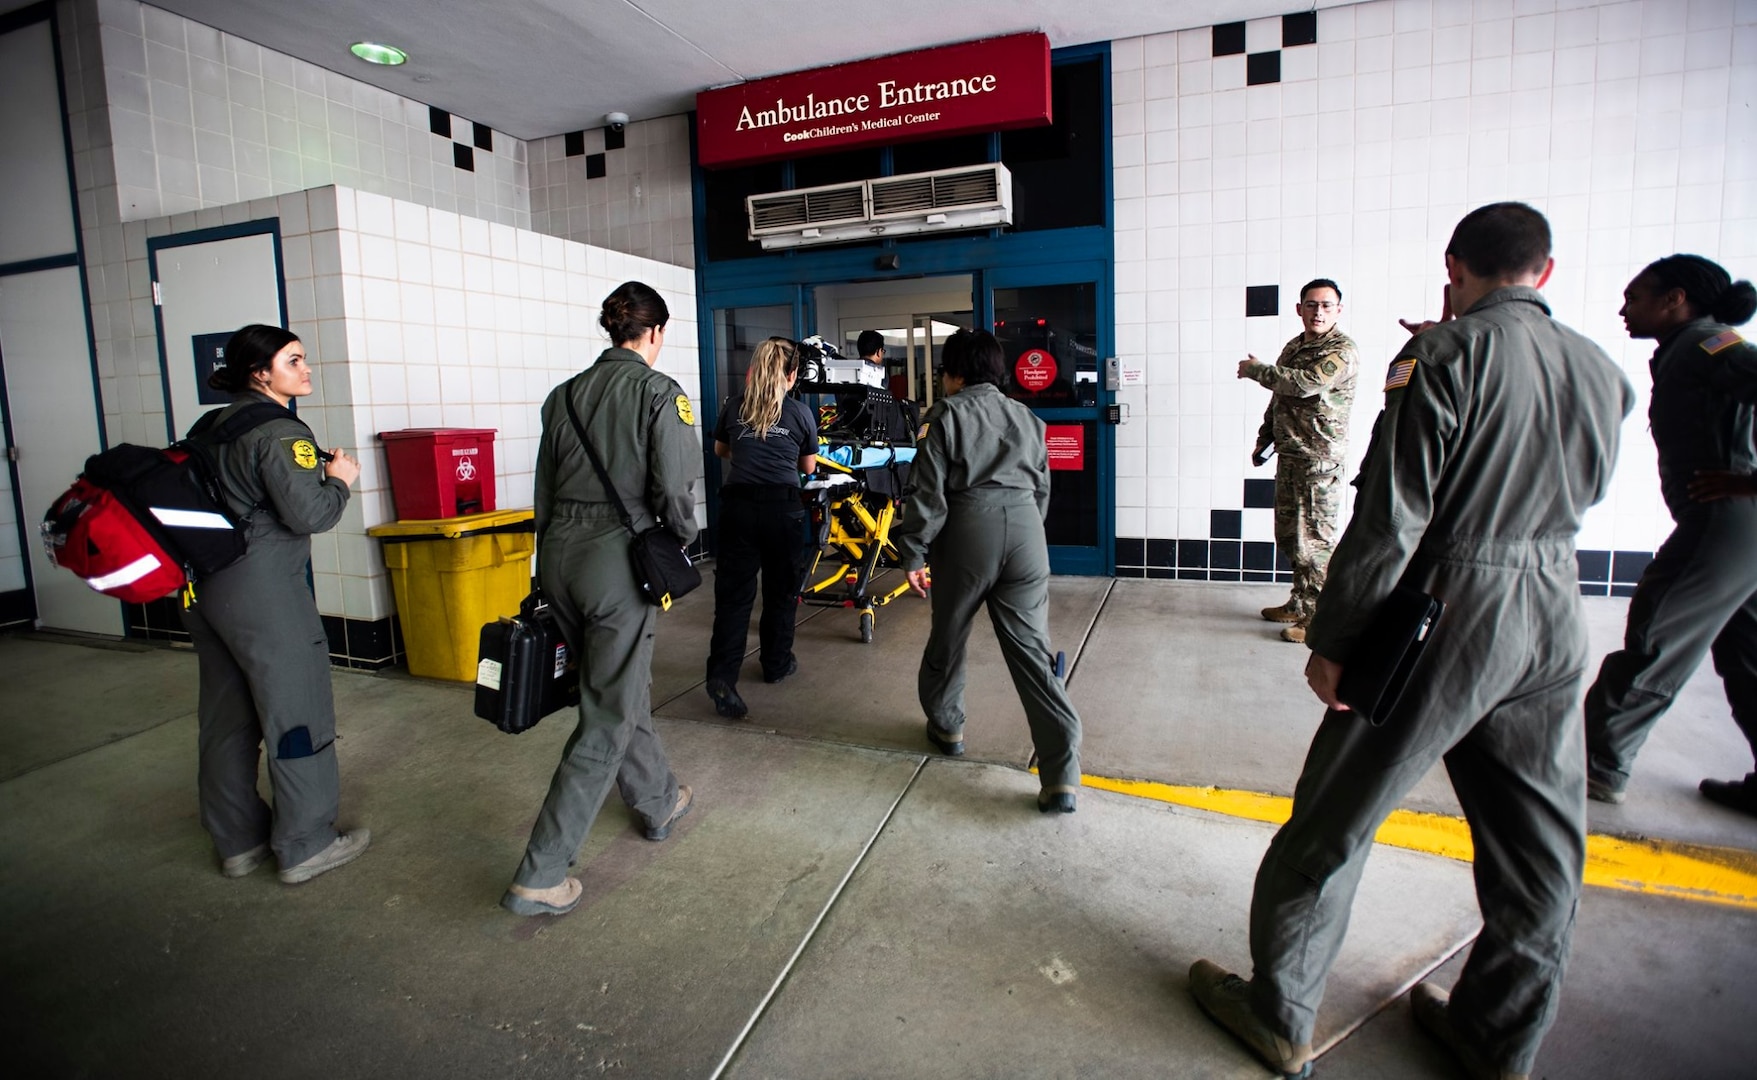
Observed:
{"x":841,"y":902}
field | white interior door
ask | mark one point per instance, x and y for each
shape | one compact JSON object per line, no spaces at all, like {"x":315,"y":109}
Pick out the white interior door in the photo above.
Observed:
{"x":50,"y":398}
{"x":206,"y":291}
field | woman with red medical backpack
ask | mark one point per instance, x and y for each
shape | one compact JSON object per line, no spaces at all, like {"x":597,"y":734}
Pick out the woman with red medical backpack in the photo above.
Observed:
{"x":265,"y":677}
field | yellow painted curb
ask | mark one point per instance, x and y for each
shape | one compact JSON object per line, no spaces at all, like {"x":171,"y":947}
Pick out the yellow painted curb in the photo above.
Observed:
{"x":1688,"y":871}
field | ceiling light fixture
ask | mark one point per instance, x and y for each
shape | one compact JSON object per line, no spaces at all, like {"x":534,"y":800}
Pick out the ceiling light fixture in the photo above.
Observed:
{"x":374,"y":53}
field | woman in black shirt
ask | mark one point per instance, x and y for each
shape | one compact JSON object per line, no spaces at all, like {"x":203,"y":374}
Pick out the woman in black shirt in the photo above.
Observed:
{"x":770,"y":439}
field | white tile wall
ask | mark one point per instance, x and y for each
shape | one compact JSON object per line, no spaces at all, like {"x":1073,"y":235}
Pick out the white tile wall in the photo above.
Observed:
{"x":643,"y":202}
{"x":200,"y":118}
{"x":448,"y":321}
{"x":1627,"y":123}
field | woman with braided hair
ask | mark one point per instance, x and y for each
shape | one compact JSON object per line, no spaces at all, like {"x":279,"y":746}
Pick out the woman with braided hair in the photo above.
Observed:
{"x":1699,"y":595}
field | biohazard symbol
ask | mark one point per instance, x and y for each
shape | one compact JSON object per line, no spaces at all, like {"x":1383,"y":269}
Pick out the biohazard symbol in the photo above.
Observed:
{"x":466,"y":469}
{"x":684,"y":411}
{"x":305,"y":454}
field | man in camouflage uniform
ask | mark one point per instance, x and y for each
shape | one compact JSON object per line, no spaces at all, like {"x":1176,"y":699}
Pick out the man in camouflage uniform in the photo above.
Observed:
{"x":1306,"y":423}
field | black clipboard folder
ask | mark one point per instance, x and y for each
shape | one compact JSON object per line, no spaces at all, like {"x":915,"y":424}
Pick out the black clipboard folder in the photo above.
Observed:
{"x":524,"y":669}
{"x":1375,"y":676}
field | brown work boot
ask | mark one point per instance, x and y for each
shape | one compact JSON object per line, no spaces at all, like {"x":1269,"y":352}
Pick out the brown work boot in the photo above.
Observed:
{"x":1227,"y":998}
{"x":679,"y":808}
{"x":1295,"y":633}
{"x":1429,"y":1003}
{"x":555,"y":900}
{"x":1285,"y":613}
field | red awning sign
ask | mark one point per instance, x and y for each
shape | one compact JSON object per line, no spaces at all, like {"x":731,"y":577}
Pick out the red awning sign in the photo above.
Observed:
{"x":1035,"y":370}
{"x":989,"y":85}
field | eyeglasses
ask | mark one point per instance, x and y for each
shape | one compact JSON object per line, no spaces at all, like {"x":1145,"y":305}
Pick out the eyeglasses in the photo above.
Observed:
{"x":1320,"y":305}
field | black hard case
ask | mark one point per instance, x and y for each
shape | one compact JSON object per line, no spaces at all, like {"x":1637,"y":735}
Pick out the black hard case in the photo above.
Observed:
{"x":524,"y":669}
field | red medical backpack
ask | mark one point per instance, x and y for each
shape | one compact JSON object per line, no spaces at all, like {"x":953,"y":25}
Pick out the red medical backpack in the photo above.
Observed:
{"x":142,"y":522}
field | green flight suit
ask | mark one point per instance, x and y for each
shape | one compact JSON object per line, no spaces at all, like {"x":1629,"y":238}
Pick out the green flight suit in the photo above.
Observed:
{"x":1699,"y":595}
{"x":1501,"y":393}
{"x":981,"y":490}
{"x":642,"y":425}
{"x":264,"y":654}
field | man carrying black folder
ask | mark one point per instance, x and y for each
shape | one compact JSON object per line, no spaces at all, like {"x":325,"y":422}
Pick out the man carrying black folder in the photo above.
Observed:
{"x":1500,"y":428}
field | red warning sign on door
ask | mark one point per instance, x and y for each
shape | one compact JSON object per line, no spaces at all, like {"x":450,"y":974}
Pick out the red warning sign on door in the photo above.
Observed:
{"x":1034,"y":370}
{"x":1067,"y":446}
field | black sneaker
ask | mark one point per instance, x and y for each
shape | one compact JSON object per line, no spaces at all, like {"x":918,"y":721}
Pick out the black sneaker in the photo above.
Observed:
{"x":726,"y":700}
{"x":947,"y":743}
{"x":792,"y":667}
{"x":1740,"y":795}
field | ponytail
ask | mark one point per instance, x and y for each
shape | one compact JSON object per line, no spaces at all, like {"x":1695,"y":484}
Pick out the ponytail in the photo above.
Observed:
{"x":775,"y":361}
{"x":1707,"y":287}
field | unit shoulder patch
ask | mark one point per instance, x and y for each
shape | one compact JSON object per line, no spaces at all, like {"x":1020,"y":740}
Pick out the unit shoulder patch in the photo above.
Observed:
{"x":1329,"y":366}
{"x":1720,"y":342}
{"x":1401,"y":369}
{"x":684,"y":411}
{"x":303,"y":452}
{"x":922,"y":434}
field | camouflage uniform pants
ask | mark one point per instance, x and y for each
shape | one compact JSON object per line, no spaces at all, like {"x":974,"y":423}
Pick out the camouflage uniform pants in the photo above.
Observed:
{"x":1308,"y":507}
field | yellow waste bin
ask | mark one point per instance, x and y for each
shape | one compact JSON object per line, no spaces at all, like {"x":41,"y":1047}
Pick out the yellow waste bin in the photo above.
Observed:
{"x":451,"y":576}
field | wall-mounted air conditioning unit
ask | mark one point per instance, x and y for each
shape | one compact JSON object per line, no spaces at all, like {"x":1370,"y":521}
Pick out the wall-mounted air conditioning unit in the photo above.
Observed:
{"x":973,"y":197}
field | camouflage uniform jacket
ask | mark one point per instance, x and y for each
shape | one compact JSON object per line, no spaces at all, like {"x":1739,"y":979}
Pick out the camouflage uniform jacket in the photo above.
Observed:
{"x":1313,"y":383}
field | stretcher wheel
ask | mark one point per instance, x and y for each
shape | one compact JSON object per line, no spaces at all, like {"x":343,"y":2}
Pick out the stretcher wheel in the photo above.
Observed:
{"x":866,"y":628}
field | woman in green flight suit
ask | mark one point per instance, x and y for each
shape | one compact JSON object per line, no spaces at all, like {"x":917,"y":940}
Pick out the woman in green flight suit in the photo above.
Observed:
{"x":264,"y":654}
{"x":981,"y":490}
{"x":642,"y":426}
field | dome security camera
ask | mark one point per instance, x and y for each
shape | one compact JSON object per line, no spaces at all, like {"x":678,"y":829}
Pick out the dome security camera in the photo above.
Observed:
{"x":616,"y":121}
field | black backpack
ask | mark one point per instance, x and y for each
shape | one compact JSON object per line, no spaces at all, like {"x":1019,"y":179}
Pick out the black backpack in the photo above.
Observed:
{"x":142,"y":522}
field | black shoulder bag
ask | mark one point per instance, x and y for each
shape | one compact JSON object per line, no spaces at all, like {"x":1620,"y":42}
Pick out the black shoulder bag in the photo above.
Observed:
{"x":661,"y":567}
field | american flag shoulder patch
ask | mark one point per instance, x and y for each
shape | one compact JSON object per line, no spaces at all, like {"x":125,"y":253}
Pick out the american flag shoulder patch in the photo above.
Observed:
{"x":1401,"y":369}
{"x":1724,"y":340}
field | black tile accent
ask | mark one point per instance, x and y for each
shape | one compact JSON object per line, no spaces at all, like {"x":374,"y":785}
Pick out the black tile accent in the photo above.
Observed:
{"x":1626,"y":566}
{"x":1192,"y":553}
{"x":1622,"y":590}
{"x":1300,"y":28}
{"x":439,"y":121}
{"x":1285,"y":579}
{"x":369,"y":642}
{"x":1192,"y":575}
{"x":18,"y":606}
{"x":1260,"y":494}
{"x":1224,"y":555}
{"x":1259,"y":555}
{"x":1594,"y":589}
{"x":594,"y":166}
{"x":1262,"y":300}
{"x":1226,"y":524}
{"x":1263,"y":67}
{"x":1131,"y":571}
{"x":1161,"y":553}
{"x":1252,"y":575}
{"x":1593,"y":565}
{"x":336,"y":629}
{"x":615,"y":138}
{"x":484,"y":135}
{"x":157,"y":620}
{"x":1161,"y":573}
{"x":1282,"y":566}
{"x":575,"y":143}
{"x":1131,"y":551}
{"x":1223,"y":575}
{"x":463,"y":157}
{"x":1229,"y":39}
